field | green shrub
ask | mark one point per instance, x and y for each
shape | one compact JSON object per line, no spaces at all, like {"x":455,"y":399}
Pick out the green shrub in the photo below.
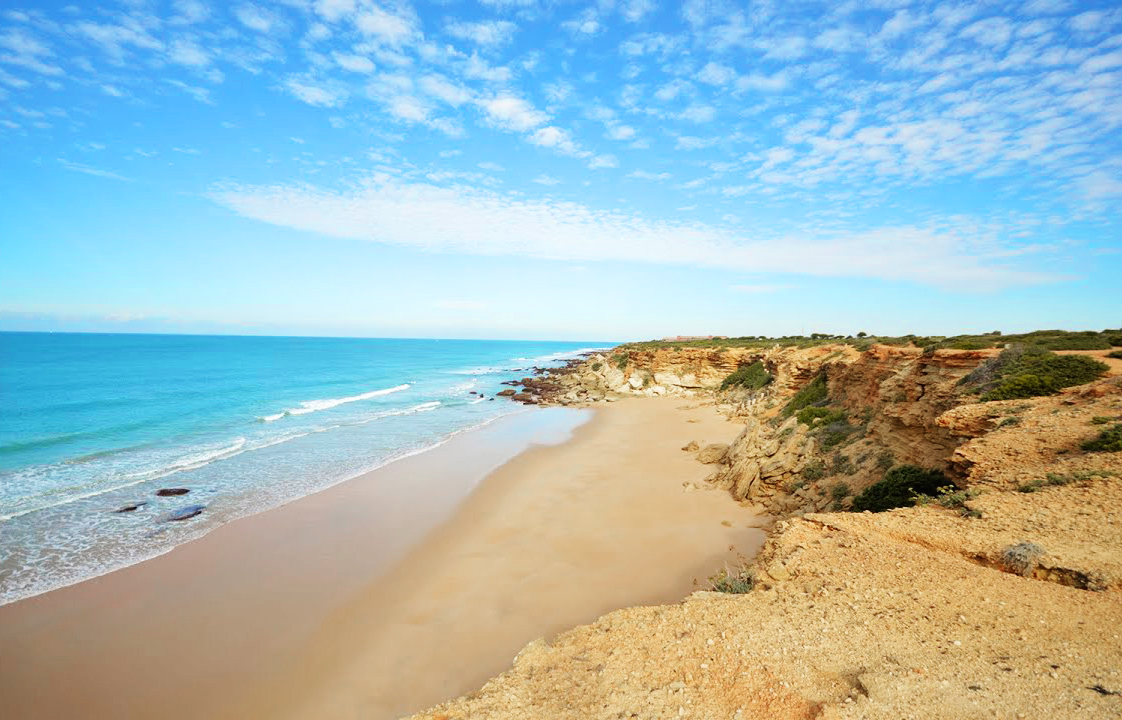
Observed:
{"x":751,"y":377}
{"x":1100,"y":420}
{"x":596,"y":366}
{"x":899,"y":488}
{"x":620,"y":360}
{"x":1009,"y":421}
{"x":842,"y":465}
{"x":839,"y":491}
{"x":1075,"y":342}
{"x":814,"y":392}
{"x":885,"y":459}
{"x":1117,"y":354}
{"x":837,"y":433}
{"x":814,"y":470}
{"x":811,"y":415}
{"x":1114,"y":340}
{"x":1037,"y":373}
{"x":1109,"y":440}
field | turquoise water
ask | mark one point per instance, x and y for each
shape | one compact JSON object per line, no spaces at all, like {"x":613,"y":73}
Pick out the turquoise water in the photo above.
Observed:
{"x":91,"y":423}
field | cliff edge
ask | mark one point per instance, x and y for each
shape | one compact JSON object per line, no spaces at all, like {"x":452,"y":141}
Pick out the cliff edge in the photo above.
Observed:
{"x":1001,"y":597}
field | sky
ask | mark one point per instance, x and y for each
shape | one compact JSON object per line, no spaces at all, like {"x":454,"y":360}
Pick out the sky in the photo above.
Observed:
{"x":556,"y":170}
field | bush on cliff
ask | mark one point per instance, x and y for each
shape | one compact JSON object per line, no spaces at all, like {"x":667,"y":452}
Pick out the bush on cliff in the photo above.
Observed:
{"x":1037,"y":373}
{"x":899,"y":488}
{"x":815,"y":392}
{"x":1117,"y":354}
{"x":751,"y":377}
{"x":1109,"y":440}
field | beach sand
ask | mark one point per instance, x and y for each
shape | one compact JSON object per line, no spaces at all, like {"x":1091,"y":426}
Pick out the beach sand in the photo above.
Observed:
{"x":393,"y":591}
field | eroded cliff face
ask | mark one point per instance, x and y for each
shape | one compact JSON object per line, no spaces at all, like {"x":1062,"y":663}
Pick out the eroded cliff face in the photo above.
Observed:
{"x":926,"y":611}
{"x":891,"y":399}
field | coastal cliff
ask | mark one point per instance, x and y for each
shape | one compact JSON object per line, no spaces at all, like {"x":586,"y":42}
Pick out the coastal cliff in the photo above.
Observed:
{"x":1000,"y":597}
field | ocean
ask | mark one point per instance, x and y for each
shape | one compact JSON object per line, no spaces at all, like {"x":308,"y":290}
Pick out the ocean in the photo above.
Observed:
{"x":92,"y":423}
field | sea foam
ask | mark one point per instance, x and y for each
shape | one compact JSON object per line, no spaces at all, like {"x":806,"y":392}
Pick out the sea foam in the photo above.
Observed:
{"x":312,"y":406}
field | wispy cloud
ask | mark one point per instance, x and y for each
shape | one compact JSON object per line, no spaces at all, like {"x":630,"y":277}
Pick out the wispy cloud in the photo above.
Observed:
{"x":458,"y":219}
{"x":96,"y":172}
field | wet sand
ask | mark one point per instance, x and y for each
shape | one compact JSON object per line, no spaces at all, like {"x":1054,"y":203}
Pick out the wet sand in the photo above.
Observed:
{"x":349,"y":604}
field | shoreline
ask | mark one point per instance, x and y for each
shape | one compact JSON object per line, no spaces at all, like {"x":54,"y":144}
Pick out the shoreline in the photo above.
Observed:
{"x":268,"y":508}
{"x":227,"y":614}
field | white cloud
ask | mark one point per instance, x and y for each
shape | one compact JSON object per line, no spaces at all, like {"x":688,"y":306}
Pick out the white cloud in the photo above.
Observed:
{"x":441,"y":88}
{"x":189,"y":12}
{"x":390,"y":28}
{"x":546,"y":180}
{"x":765,"y":83}
{"x":312,"y":93}
{"x":96,"y":172}
{"x":644,"y":175}
{"x":334,"y":10}
{"x":256,"y":18}
{"x":634,"y":10}
{"x":186,"y":52}
{"x":26,"y":51}
{"x":600,"y":162}
{"x":716,"y":74}
{"x":699,"y":113}
{"x":492,"y":33}
{"x":408,"y":108}
{"x":621,"y":132}
{"x":513,"y":113}
{"x":466,"y":220}
{"x":354,"y":63}
{"x":199,"y":93}
{"x":555,"y":138}
{"x":586,"y":23}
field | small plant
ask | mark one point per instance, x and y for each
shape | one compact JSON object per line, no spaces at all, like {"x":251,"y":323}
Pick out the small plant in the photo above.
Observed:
{"x":898,"y":488}
{"x":620,"y":360}
{"x":1031,"y":486}
{"x":596,"y":366}
{"x":842,"y":465}
{"x":1100,"y":420}
{"x":885,"y":459}
{"x":839,"y":491}
{"x":752,"y":377}
{"x":1109,"y":440}
{"x":1116,"y":354}
{"x":795,"y":485}
{"x":1022,"y":557}
{"x":952,"y":498}
{"x":1010,"y":421}
{"x":735,"y":581}
{"x":814,"y":470}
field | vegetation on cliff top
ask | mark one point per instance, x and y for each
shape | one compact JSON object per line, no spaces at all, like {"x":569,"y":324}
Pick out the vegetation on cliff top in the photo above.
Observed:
{"x":1046,"y":339}
{"x":1024,"y":372}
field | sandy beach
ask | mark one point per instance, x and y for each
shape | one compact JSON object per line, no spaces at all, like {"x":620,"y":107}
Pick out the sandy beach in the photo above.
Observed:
{"x":395,"y":590}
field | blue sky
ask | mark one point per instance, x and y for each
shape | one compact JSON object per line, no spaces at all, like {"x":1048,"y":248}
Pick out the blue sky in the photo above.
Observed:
{"x":514,"y":168}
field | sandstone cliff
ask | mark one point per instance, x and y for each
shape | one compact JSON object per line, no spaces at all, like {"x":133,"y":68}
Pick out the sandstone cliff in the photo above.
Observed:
{"x":1004,"y":604}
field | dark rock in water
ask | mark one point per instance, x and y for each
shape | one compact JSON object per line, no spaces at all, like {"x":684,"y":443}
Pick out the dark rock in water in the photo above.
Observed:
{"x":506,"y":393}
{"x":131,"y":507}
{"x":171,"y":492}
{"x":523,"y":397}
{"x":184,"y":513}
{"x":490,"y":399}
